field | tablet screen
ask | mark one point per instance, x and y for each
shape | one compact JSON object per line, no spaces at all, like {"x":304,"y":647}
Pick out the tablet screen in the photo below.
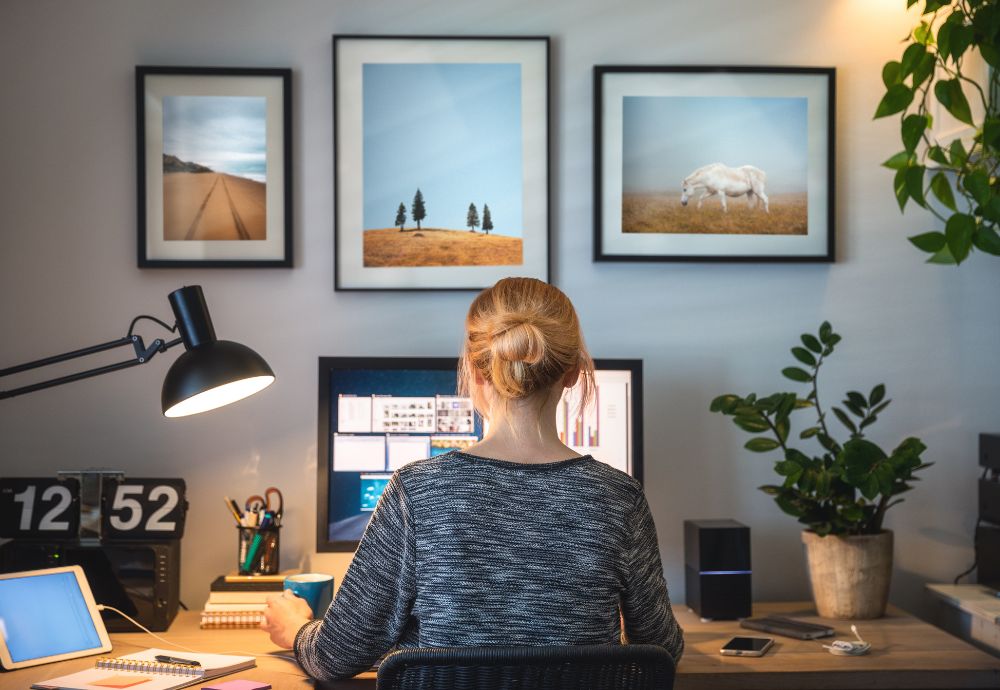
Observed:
{"x":45,"y":615}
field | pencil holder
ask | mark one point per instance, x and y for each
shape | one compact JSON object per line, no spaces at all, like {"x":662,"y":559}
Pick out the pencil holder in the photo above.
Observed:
{"x":258,"y":552}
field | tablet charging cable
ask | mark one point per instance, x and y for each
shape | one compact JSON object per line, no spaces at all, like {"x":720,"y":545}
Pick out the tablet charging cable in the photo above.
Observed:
{"x":133,"y":621}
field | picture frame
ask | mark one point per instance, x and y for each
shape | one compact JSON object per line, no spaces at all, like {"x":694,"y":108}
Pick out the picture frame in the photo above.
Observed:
{"x":214,"y":167}
{"x":441,"y":161}
{"x":714,"y":163}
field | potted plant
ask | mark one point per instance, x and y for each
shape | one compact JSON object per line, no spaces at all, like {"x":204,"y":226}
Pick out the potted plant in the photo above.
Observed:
{"x":840,"y":493}
{"x":936,"y":68}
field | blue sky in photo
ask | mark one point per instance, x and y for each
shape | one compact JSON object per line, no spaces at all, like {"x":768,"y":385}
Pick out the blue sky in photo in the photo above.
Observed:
{"x":454,"y":131}
{"x":225,"y":133}
{"x":666,"y":138}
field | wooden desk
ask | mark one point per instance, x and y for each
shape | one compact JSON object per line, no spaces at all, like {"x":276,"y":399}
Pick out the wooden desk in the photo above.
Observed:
{"x":907,"y":653}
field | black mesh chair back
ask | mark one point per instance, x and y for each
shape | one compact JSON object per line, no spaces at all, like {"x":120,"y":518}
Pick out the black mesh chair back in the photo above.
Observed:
{"x":588,"y":667}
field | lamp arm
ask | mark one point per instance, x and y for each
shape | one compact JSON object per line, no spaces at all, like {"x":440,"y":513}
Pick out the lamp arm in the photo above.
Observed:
{"x":142,"y":355}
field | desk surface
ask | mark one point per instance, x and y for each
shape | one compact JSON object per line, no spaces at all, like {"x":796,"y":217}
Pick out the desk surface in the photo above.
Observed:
{"x":907,"y":653}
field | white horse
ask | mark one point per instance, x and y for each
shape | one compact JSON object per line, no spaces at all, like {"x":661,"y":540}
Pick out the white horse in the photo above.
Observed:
{"x":718,"y":179}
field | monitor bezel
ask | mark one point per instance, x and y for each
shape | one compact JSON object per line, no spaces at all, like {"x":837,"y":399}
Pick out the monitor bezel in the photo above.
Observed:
{"x":7,"y":662}
{"x":323,"y":431}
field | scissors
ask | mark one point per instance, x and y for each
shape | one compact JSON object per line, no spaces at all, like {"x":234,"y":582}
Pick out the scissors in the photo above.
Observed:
{"x":255,"y":503}
{"x":274,"y":507}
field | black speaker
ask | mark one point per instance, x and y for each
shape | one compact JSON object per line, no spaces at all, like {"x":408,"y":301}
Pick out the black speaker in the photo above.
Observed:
{"x":717,"y":568}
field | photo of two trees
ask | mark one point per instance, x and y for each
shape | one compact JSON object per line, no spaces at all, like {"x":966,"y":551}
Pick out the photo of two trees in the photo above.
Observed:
{"x":441,"y":135}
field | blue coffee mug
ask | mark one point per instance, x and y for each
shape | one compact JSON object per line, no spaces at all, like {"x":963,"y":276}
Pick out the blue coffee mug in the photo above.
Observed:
{"x":315,"y":588}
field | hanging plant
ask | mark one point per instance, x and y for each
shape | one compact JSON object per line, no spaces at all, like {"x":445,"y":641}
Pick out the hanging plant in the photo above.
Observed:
{"x":934,"y":68}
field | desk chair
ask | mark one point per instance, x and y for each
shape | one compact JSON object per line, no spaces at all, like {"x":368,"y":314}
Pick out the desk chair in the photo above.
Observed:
{"x":585,"y":667}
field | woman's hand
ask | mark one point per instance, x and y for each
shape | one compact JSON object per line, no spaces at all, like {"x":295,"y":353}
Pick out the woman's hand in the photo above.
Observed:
{"x":284,"y":617}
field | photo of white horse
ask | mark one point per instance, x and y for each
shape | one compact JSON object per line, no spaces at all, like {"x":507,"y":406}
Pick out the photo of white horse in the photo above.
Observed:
{"x":718,"y":179}
{"x":685,"y":158}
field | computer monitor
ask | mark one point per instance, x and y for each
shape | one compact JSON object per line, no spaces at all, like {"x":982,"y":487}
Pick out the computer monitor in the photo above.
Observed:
{"x":377,"y":414}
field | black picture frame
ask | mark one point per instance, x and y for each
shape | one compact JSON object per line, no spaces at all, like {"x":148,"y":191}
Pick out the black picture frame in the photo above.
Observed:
{"x":614,"y":83}
{"x":258,"y":232}
{"x":351,"y":54}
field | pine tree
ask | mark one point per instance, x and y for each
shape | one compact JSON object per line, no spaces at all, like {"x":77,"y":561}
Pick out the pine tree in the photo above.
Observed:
{"x":472,"y":219}
{"x":487,"y":219}
{"x":401,"y":216}
{"x":418,"y":211}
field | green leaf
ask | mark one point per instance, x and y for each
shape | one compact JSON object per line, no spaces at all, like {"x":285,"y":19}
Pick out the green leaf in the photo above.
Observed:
{"x":896,"y":99}
{"x":911,"y":58}
{"x":754,"y":425}
{"x":935,"y":153}
{"x":770,"y":489}
{"x":810,"y":341}
{"x":852,"y":512}
{"x":991,"y":132}
{"x":857,"y":399}
{"x":804,"y":356}
{"x":891,"y":73}
{"x":724,"y":403}
{"x":929,"y":242}
{"x":985,"y":239}
{"x":942,"y":190}
{"x":862,"y":461}
{"x":761,"y":444}
{"x":789,"y":506}
{"x":853,"y":409}
{"x":878,"y":408}
{"x":923,"y":70}
{"x":944,"y":38}
{"x":845,"y":420}
{"x":958,"y":233}
{"x":825,"y":332}
{"x":961,"y":39}
{"x":978,"y":184}
{"x":934,"y":5}
{"x":912,"y":129}
{"x":949,"y":93}
{"x":959,"y":156}
{"x":901,"y":160}
{"x":782,"y":427}
{"x":915,"y":183}
{"x":877,"y":395}
{"x":942,"y":257}
{"x":828,"y":442}
{"x":796,"y":374}
{"x":922,"y":34}
{"x":991,"y":54}
{"x":809,"y":433}
{"x":900,"y":188}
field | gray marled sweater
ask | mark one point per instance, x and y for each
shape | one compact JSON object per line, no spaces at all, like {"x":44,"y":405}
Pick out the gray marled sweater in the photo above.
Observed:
{"x":464,"y":550}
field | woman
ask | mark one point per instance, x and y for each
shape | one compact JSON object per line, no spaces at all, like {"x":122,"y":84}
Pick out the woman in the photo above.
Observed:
{"x":518,"y":540}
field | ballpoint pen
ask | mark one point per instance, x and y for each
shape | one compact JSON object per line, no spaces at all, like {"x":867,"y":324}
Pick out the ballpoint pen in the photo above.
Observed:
{"x":176,"y":660}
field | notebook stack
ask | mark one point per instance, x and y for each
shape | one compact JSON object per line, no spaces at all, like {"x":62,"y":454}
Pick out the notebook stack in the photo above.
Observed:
{"x":238,"y":601}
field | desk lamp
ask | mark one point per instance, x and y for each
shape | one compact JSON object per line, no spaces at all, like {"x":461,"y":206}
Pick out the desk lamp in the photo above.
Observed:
{"x":209,"y":374}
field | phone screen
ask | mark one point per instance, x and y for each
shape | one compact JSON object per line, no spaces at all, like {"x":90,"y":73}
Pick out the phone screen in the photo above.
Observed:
{"x":747,"y":644}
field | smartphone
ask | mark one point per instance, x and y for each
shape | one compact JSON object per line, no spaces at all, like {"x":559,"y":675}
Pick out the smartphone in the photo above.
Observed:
{"x":747,"y":646}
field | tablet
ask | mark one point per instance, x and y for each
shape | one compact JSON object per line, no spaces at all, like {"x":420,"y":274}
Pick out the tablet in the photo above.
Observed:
{"x":48,"y":615}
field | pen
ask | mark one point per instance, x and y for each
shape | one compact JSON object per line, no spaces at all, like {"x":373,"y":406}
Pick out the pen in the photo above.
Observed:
{"x":236,"y":513}
{"x":176,"y":660}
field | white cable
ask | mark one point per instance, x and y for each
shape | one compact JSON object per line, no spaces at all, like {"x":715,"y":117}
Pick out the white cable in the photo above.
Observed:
{"x":105,"y":607}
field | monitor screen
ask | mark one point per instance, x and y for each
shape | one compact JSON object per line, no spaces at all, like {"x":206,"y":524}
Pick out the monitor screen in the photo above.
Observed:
{"x":378,"y":414}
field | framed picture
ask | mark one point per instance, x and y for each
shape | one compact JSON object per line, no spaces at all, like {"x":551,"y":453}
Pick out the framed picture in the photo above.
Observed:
{"x":214,"y":167}
{"x":441,"y":173}
{"x":713,"y":163}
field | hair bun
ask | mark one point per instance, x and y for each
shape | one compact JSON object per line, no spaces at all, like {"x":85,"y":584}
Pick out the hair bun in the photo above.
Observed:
{"x":521,"y":341}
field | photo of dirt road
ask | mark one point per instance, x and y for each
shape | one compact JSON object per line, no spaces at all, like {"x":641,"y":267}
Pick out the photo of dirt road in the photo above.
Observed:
{"x":213,"y":206}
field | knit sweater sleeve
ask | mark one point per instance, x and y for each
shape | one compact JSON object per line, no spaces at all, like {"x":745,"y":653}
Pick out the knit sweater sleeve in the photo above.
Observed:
{"x":375,"y":600}
{"x":645,"y":603}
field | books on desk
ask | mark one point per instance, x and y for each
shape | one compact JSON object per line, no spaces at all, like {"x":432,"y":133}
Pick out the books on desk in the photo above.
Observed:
{"x":238,"y":604}
{"x":143,"y":672}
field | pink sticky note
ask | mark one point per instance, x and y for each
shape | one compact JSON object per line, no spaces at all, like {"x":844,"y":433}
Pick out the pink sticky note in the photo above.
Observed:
{"x":239,"y":685}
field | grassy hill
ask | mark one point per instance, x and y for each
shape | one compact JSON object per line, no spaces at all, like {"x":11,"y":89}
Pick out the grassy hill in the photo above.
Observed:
{"x":664,"y":213}
{"x":439,"y":247}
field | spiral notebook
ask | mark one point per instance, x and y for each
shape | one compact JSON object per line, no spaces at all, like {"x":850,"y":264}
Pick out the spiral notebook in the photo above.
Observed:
{"x":141,"y":671}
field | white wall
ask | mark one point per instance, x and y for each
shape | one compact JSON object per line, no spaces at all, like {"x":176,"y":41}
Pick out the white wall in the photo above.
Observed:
{"x":68,"y":274}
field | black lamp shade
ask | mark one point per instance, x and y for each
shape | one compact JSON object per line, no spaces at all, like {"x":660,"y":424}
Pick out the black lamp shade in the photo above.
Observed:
{"x":211,"y":375}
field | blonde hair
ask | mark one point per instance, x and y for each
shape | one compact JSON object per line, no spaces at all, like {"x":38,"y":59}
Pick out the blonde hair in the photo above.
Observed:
{"x":522,"y":336}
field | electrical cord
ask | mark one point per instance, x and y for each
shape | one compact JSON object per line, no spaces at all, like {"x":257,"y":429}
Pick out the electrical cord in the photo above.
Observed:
{"x":273,"y":655}
{"x":131,"y":327}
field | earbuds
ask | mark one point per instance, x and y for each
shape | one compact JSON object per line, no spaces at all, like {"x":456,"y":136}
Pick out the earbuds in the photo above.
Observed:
{"x":848,"y":647}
